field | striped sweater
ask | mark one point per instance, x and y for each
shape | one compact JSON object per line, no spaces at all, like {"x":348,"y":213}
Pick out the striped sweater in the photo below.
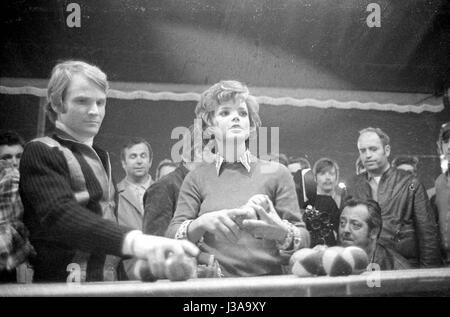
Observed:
{"x":60,"y":227}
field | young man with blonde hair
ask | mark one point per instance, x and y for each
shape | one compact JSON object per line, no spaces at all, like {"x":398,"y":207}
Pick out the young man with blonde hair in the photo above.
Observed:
{"x":67,"y":190}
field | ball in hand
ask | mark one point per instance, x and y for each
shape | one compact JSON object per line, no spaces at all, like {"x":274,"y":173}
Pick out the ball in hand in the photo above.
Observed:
{"x":180,"y":268}
{"x":250,"y":214}
{"x":142,"y":271}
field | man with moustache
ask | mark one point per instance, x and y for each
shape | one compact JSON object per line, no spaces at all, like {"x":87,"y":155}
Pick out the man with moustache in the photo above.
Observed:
{"x":67,"y":191}
{"x":409,"y":226}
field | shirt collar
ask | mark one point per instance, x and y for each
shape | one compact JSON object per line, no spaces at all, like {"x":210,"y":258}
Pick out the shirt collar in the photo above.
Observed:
{"x":245,"y":159}
{"x":148,"y":182}
{"x":369,"y":177}
{"x":142,"y":186}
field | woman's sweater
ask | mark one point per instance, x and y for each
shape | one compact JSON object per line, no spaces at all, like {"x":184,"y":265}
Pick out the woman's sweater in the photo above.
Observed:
{"x":205,"y":190}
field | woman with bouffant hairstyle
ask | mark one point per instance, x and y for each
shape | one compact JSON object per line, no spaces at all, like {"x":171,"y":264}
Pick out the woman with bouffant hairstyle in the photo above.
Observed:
{"x":239,"y":208}
{"x":222,"y":92}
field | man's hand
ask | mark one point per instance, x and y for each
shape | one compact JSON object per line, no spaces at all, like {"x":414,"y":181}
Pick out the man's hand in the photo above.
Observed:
{"x":156,"y":250}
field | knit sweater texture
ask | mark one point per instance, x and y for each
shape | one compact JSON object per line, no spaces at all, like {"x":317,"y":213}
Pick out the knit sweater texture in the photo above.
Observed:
{"x":59,"y":226}
{"x":204,"y":191}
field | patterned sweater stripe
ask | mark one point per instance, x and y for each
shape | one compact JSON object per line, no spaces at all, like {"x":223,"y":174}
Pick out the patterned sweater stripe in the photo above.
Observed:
{"x":51,"y":210}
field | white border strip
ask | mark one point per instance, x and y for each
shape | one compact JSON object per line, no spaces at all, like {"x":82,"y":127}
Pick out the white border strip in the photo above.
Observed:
{"x":265,"y":100}
{"x":331,"y":103}
{"x":154,"y":96}
{"x":39,"y":92}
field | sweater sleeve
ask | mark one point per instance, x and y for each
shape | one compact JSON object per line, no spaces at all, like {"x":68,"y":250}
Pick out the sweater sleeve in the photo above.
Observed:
{"x":286,"y":205}
{"x":188,"y":205}
{"x":46,"y":192}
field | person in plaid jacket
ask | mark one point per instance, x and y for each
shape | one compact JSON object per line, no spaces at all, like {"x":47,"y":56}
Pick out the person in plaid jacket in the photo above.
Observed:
{"x":15,"y":247}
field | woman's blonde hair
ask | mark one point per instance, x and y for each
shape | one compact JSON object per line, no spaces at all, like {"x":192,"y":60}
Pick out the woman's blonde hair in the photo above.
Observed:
{"x":222,"y":92}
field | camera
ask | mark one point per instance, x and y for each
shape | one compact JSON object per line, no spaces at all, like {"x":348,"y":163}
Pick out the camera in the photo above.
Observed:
{"x":320,"y":226}
{"x":320,"y":211}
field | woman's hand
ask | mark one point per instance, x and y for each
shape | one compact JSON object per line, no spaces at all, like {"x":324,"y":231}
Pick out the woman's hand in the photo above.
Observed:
{"x":269,"y":226}
{"x":262,"y":201}
{"x":222,"y":223}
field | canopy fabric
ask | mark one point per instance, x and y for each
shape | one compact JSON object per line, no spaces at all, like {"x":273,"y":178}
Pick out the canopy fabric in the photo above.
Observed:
{"x":318,"y":98}
{"x":301,"y":44}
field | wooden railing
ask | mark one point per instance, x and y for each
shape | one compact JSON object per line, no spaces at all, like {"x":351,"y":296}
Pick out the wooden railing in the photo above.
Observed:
{"x":392,"y":283}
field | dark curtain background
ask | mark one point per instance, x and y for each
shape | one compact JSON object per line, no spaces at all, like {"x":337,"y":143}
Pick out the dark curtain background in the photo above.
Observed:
{"x":265,"y":43}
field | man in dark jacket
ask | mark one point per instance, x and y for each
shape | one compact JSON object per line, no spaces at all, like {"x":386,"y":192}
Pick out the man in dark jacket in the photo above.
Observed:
{"x":160,"y":199}
{"x":67,"y":191}
{"x":409,"y":226}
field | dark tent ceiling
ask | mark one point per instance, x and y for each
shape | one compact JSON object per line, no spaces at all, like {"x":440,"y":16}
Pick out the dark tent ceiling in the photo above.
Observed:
{"x":323,"y":44}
